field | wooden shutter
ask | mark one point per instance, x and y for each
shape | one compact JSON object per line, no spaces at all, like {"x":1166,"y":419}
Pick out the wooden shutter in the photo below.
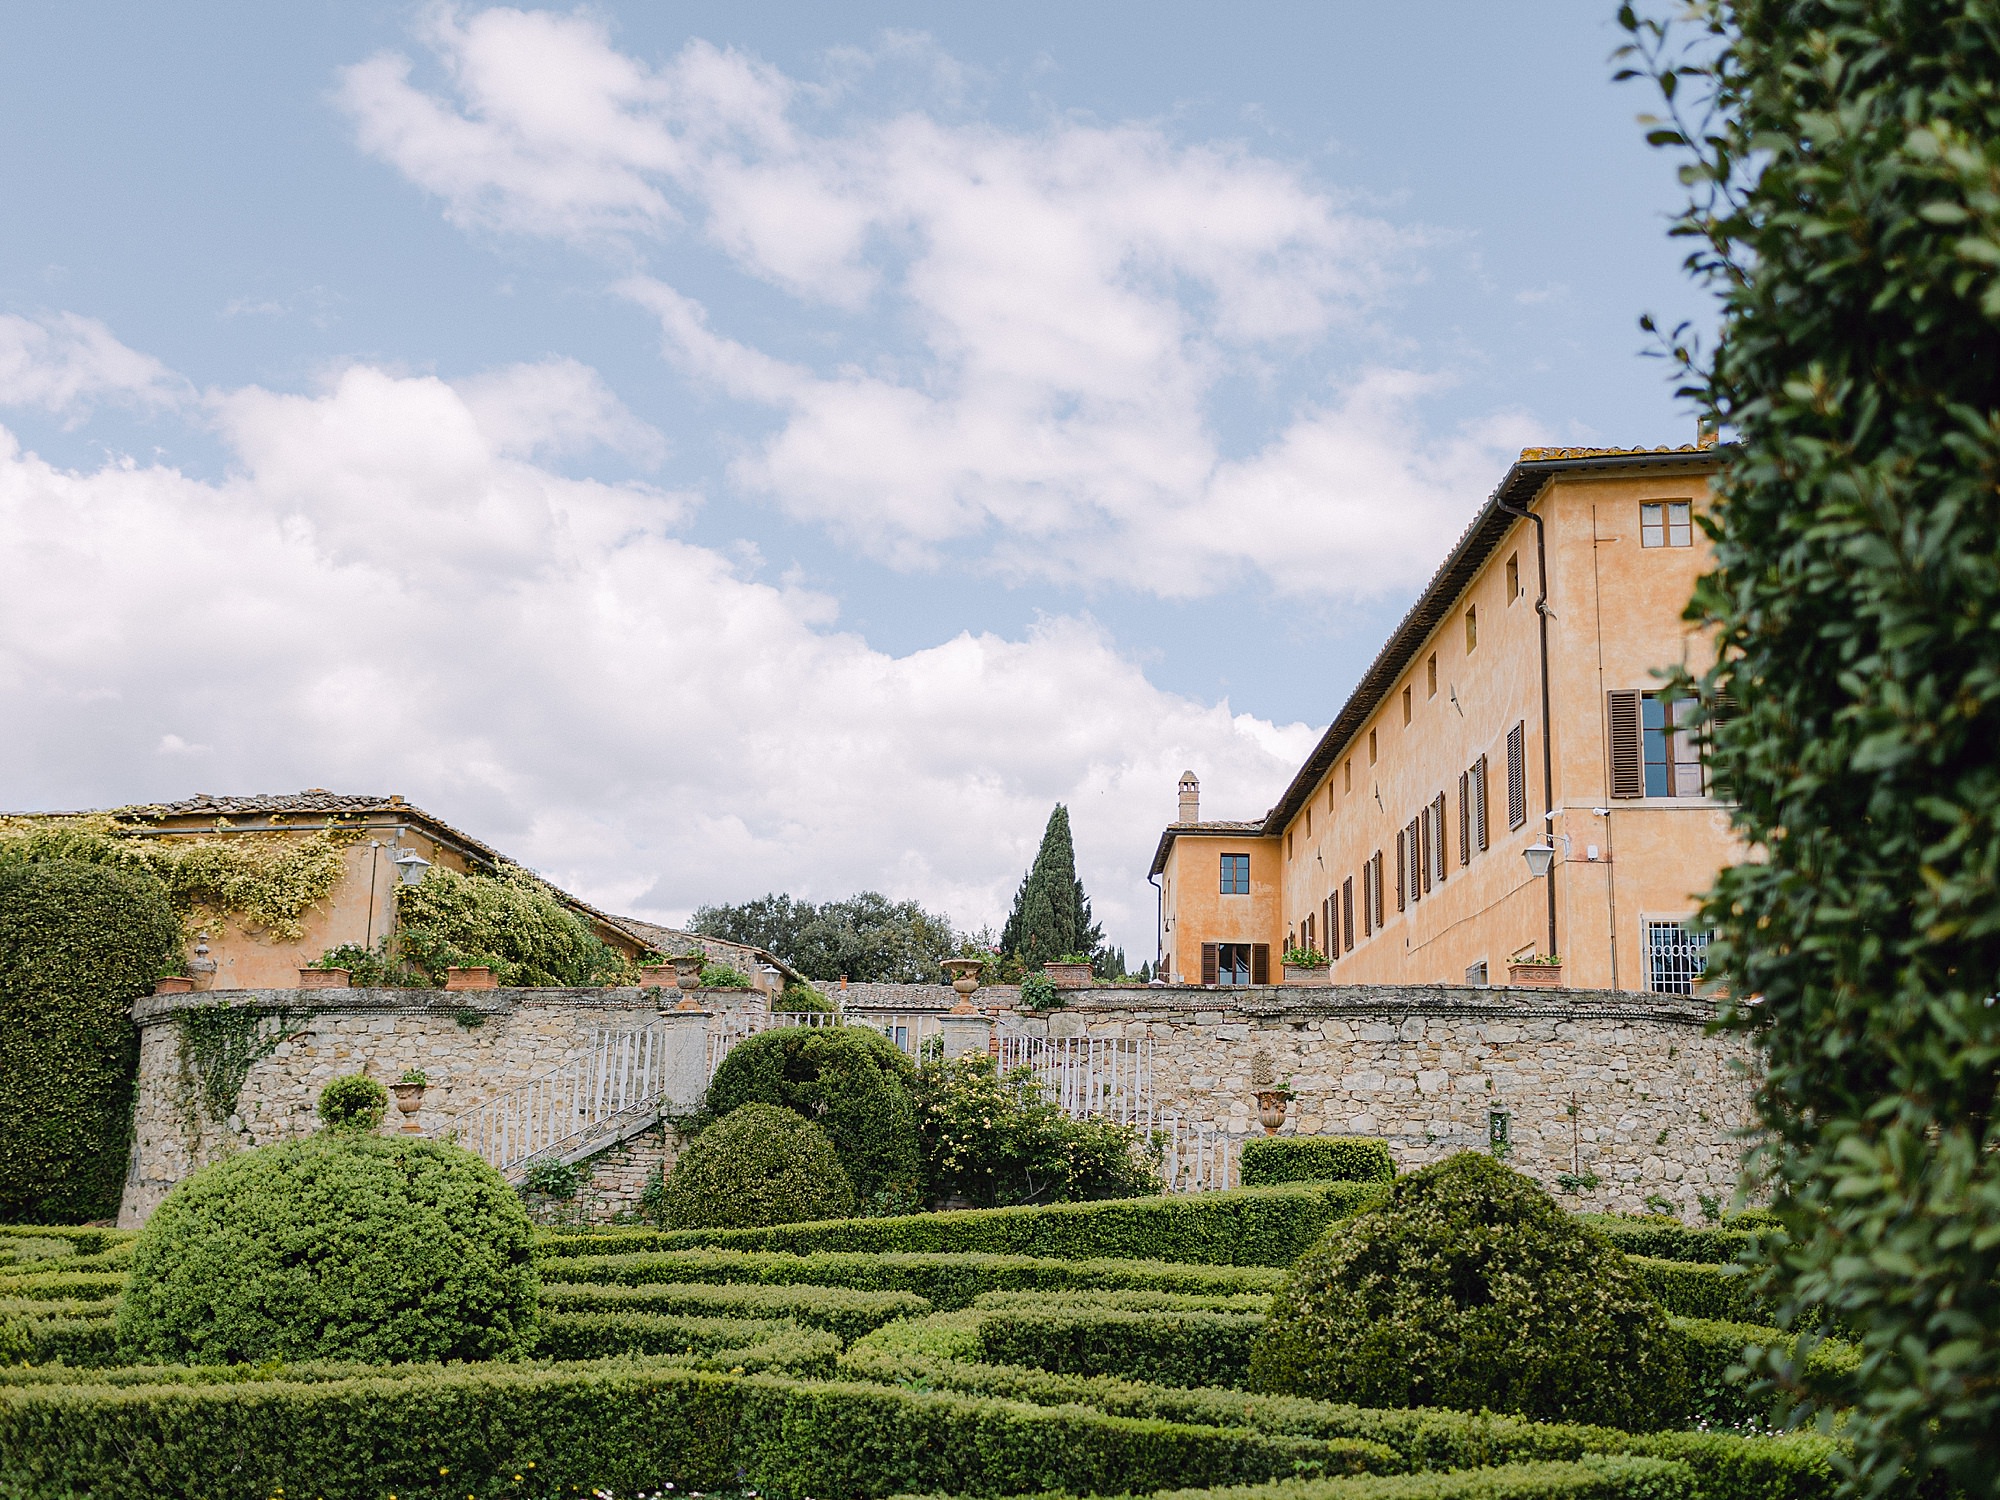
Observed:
{"x":1347,"y":912}
{"x":1517,"y":775}
{"x":1465,"y":817}
{"x":1628,"y":768}
{"x":1480,"y":829}
{"x":1417,"y":856}
{"x":1210,"y":968}
{"x":1378,"y":890}
{"x":1367,"y":902}
{"x":1260,"y":963}
{"x":1402,"y":868}
{"x":1443,"y":840}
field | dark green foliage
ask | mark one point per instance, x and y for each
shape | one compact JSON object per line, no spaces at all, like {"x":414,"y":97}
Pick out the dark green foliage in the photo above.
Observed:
{"x":948,"y":1281}
{"x":1668,"y":1239}
{"x":78,"y":943}
{"x":1845,"y":212}
{"x":373,"y":968}
{"x":1590,"y":1479}
{"x":1718,"y":1354}
{"x":715,"y":976}
{"x":850,"y":1081}
{"x":355,"y":1102}
{"x":338,"y":1245}
{"x":1689,"y":1290}
{"x":1051,"y":915}
{"x":843,"y":1312}
{"x":1471,"y":1288}
{"x":621,"y":1426}
{"x":1249,"y":1226}
{"x":1167,"y":1347}
{"x":760,"y":1164}
{"x":560,"y":1180}
{"x":995,"y":1141}
{"x":867,"y":938}
{"x":1316,"y":1158}
{"x":508,"y":921}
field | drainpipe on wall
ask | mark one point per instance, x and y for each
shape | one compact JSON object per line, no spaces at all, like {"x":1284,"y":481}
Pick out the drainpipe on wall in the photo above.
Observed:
{"x":1548,"y":750}
{"x":1159,"y":921}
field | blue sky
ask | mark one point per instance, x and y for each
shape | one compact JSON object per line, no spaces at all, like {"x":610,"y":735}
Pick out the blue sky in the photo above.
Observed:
{"x":709,"y":449}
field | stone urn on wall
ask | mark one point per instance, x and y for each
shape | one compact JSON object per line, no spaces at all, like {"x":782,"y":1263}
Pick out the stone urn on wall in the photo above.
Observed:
{"x":409,"y":1091}
{"x":687,"y":976}
{"x":1273,"y":1098}
{"x":963,"y":976}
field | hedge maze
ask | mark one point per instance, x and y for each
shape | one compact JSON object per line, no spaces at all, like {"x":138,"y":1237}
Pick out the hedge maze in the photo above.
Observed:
{"x":1087,"y":1350}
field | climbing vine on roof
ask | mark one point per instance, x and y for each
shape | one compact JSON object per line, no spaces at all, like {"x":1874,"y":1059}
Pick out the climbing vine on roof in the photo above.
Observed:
{"x":261,"y":881}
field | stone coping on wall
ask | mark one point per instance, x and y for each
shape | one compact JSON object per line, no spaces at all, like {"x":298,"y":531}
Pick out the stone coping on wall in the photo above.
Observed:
{"x":1197,"y":1003}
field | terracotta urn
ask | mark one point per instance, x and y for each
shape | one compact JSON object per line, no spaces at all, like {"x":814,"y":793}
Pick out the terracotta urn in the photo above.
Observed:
{"x":472,"y":977}
{"x":964,"y":977}
{"x":325,"y":979}
{"x":1319,"y":975}
{"x":1068,"y":976}
{"x":409,"y":1100}
{"x":1536,"y":976}
{"x":1271,"y":1107}
{"x":173,"y":985}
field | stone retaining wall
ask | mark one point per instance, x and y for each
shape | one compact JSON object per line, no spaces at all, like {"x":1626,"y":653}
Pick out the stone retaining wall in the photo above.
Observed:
{"x":1620,"y":1101}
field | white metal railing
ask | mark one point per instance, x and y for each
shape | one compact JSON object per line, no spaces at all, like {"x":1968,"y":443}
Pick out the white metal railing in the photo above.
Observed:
{"x":1198,"y":1156}
{"x":908,"y":1030}
{"x":621,"y":1071}
{"x":739,"y":1028}
{"x":1085,"y":1076}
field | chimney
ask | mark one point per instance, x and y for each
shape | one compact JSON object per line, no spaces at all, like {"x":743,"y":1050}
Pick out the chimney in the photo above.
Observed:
{"x":1190,"y":799}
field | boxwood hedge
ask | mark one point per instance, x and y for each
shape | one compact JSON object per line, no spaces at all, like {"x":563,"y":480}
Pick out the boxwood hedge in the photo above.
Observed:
{"x":1316,"y":1158}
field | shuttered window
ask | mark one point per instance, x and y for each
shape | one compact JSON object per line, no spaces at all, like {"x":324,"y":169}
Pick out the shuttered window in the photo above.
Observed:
{"x":1465,"y":817}
{"x":1479,"y":823}
{"x":1260,"y":963}
{"x":1415,"y":834}
{"x":1628,"y":776}
{"x":1347,"y":912}
{"x":1367,"y":899}
{"x":1402,"y":868}
{"x":1429,"y":843}
{"x":1517,"y":775}
{"x":1442,"y":844}
{"x":1208,"y":963}
{"x":1377,"y":858}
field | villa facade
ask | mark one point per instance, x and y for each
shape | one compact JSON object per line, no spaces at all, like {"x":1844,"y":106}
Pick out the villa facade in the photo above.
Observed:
{"x":1517,"y":707}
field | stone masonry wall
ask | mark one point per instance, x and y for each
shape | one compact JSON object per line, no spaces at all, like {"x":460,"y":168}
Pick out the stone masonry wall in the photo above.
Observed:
{"x":1626,"y":1088}
{"x":1621,"y":1088}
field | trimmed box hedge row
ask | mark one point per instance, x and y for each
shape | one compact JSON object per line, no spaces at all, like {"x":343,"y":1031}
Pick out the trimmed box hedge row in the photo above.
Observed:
{"x":597,"y":1335}
{"x":1170,"y":1348}
{"x":1136,"y":1301}
{"x":469,"y":1429}
{"x":1669,"y":1239}
{"x":1269,"y":1226}
{"x":1586,"y":1479}
{"x":841,"y":1311}
{"x":76,"y":1286}
{"x":944,"y":1280}
{"x":1694,"y":1289}
{"x":84,"y":1241}
{"x":1729,"y":1466}
{"x":1316,"y":1158}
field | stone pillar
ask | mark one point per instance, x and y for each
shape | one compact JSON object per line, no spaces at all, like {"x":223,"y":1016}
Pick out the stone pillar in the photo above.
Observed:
{"x":963,"y":1033}
{"x":685,"y":1063}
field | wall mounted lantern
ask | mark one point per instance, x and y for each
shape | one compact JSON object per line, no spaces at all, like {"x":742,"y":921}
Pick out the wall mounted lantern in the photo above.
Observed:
{"x":1539,"y":858}
{"x":411,"y":866}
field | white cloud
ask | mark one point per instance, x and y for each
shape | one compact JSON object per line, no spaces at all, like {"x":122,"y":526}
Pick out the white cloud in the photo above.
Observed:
{"x":383,"y":597}
{"x":61,"y":363}
{"x":1034,"y":330}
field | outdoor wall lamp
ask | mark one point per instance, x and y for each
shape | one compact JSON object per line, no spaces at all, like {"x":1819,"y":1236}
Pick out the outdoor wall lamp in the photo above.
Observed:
{"x":411,"y":866}
{"x":1539,"y":858}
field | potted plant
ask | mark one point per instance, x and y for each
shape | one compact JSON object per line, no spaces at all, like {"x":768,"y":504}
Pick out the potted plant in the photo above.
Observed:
{"x":470,"y":977}
{"x":656,"y":972}
{"x":1070,"y":972}
{"x":1542,"y":971}
{"x":1307,"y":965}
{"x":173,"y":978}
{"x":409,"y":1092}
{"x":324,"y":974}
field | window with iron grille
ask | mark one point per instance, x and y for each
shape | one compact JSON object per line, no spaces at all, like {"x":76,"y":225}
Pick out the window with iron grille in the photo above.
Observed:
{"x":1235,"y":874}
{"x":1675,"y":958}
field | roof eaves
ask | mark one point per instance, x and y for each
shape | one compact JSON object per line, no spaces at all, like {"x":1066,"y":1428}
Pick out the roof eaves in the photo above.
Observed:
{"x":1520,"y":486}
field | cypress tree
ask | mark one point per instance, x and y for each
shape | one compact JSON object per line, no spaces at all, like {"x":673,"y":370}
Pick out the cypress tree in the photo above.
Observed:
{"x":1051,"y":913}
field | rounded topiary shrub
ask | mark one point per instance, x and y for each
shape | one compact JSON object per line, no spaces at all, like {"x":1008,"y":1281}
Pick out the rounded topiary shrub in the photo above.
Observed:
{"x":1472,"y":1288}
{"x":78,"y":943}
{"x":854,"y":1083}
{"x":760,"y":1164}
{"x":355,"y":1102}
{"x":343,"y":1245}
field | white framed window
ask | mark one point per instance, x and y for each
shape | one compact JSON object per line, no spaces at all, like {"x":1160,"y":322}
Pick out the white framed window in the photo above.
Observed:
{"x":1666,"y":523}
